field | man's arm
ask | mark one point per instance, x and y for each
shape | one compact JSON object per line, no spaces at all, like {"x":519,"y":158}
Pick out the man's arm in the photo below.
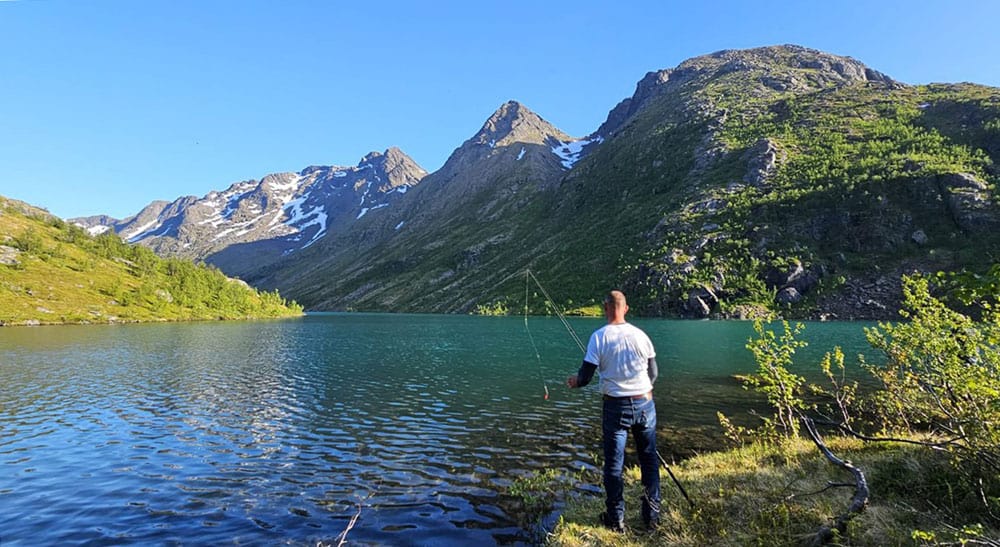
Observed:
{"x":583,"y":376}
{"x":652,"y":370}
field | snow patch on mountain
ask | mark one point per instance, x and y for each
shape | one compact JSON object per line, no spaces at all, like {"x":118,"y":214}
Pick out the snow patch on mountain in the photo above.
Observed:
{"x":222,"y":205}
{"x":364,"y":210}
{"x":290,"y":211}
{"x":300,"y":219}
{"x":136,"y":234}
{"x":570,"y":152}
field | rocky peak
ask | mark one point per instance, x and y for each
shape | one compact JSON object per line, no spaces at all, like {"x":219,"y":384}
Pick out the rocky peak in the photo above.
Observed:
{"x":648,"y":87}
{"x":25,"y":209}
{"x":393,"y":168}
{"x":828,"y":68}
{"x":514,"y":122}
{"x":513,"y":133}
{"x":757,"y":71}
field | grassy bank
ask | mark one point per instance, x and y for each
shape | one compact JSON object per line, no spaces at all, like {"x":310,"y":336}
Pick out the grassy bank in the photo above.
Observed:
{"x":55,"y":273}
{"x":760,"y":495}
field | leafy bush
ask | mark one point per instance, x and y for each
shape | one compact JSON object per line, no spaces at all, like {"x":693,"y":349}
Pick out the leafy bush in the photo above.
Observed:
{"x":942,"y":374}
{"x":783,"y":389}
{"x":29,"y":241}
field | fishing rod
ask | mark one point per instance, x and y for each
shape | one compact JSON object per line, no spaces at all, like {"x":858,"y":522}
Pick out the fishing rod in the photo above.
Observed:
{"x":579,"y":343}
{"x":677,"y":482}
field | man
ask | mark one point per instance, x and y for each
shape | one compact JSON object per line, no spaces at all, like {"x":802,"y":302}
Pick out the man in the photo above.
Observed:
{"x":625,"y":358}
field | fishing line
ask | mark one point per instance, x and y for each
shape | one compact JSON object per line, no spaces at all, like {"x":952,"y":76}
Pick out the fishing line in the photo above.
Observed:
{"x":532,"y":338}
{"x":555,"y":308}
{"x":528,"y":277}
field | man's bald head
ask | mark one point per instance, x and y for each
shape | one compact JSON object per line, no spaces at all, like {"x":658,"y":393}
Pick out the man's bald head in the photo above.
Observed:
{"x":615,"y":307}
{"x":615,"y":299}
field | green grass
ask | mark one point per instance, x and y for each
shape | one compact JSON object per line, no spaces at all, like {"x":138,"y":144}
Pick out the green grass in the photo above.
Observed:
{"x":62,"y":275}
{"x":758,"y":495}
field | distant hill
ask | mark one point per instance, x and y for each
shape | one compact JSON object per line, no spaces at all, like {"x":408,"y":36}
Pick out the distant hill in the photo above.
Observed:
{"x":55,"y":272}
{"x":737,"y":184}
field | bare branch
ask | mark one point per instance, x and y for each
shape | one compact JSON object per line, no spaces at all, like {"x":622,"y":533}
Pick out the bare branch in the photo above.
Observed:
{"x":863,"y":437}
{"x":858,"y":502}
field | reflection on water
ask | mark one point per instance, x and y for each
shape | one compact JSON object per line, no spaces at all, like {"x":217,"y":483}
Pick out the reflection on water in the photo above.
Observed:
{"x":280,"y":432}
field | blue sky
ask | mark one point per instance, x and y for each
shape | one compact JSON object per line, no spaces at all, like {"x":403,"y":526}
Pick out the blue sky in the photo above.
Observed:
{"x":106,"y":105}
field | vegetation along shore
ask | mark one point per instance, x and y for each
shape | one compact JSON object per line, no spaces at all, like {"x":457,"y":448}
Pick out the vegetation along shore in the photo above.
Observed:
{"x":914,"y":459}
{"x":52,"y":272}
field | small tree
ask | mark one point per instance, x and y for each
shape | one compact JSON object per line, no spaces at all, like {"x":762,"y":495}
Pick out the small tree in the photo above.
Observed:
{"x":30,"y":241}
{"x":782,"y":388}
{"x":842,"y":392}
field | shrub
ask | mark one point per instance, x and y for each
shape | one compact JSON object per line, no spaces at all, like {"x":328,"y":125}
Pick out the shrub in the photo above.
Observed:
{"x":942,"y":373}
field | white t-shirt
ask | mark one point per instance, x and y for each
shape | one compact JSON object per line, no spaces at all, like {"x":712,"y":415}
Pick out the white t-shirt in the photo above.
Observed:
{"x":621,"y":353}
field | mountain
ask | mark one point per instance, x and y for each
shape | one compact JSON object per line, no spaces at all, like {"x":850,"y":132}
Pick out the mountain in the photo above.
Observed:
{"x":438,"y":247}
{"x":791,"y":180}
{"x":737,"y":184}
{"x":54,"y":272}
{"x":256,"y":222}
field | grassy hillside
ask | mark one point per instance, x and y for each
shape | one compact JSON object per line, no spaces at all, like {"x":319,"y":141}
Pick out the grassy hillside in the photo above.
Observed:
{"x":736,"y":186}
{"x":53,"y":272}
{"x":868,"y":182}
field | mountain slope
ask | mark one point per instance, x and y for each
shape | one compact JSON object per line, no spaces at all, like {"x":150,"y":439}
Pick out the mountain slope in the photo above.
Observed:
{"x":54,"y":272}
{"x":811,"y":186}
{"x":438,"y":248}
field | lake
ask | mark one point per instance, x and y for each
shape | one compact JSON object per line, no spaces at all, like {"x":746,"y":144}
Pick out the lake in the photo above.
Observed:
{"x":283,"y":431}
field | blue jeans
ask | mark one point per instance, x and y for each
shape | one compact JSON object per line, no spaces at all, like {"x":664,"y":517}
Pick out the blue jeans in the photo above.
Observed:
{"x":618,"y":418}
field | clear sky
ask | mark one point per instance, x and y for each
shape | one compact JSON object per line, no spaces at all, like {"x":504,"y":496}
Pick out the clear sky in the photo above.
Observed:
{"x":106,"y":105}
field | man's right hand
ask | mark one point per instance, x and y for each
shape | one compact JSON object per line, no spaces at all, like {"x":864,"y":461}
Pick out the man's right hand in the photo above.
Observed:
{"x":572,"y":381}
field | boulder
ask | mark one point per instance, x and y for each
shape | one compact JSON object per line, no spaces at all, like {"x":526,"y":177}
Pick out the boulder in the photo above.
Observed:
{"x":762,"y":159}
{"x":700,"y":302}
{"x":919,"y":237}
{"x":780,"y":277}
{"x":164,"y":295}
{"x":788,"y":295}
{"x":8,"y":255}
{"x":962,"y":180}
{"x":794,"y":276}
{"x":969,"y":202}
{"x":806,"y":281}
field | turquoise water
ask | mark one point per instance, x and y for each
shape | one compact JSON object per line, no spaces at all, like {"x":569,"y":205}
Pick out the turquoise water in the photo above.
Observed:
{"x":282,"y":431}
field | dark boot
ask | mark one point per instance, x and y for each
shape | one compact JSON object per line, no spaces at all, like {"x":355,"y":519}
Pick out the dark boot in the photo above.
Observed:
{"x":617,"y":525}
